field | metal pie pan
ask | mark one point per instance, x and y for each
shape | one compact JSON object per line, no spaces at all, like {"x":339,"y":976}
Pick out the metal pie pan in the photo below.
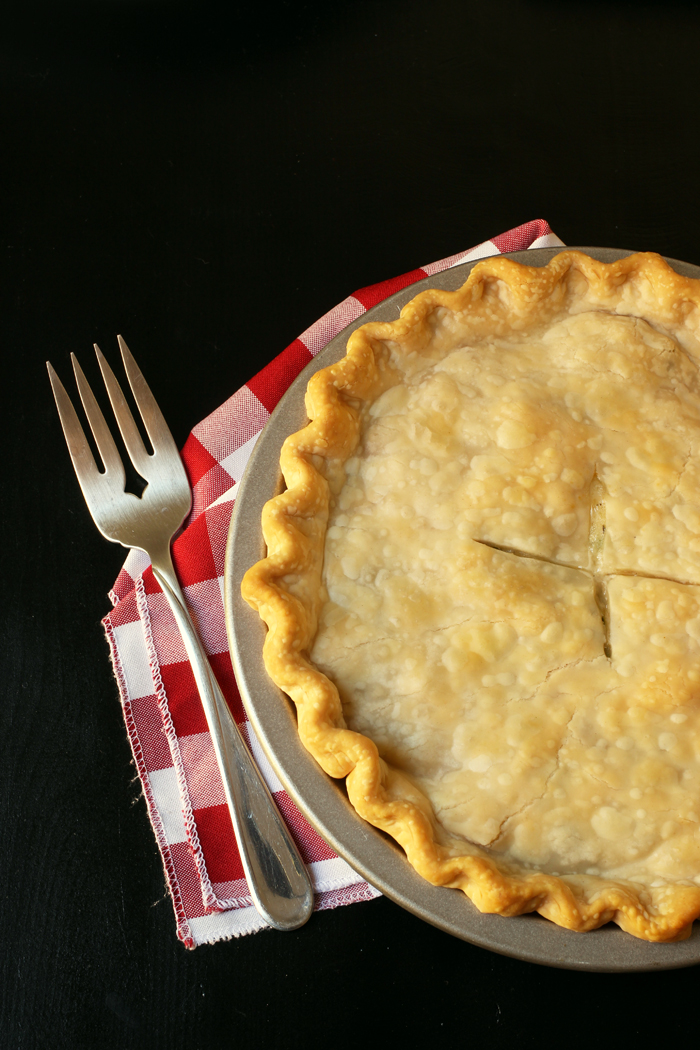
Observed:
{"x":323,"y":800}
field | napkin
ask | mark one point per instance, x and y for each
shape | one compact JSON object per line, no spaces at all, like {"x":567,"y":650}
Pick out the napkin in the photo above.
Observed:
{"x":164,"y":718}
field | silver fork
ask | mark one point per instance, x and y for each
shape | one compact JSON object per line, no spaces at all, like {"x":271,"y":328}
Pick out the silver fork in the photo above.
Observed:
{"x":278,"y":880}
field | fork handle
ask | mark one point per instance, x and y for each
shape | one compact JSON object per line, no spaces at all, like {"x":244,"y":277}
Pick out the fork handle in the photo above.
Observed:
{"x":278,"y":881}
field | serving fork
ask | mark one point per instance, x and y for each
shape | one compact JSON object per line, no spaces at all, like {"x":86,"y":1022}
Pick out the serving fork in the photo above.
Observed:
{"x":278,"y":880}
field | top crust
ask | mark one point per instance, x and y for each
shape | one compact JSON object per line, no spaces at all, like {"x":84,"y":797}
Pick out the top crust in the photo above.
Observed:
{"x":597,"y":508}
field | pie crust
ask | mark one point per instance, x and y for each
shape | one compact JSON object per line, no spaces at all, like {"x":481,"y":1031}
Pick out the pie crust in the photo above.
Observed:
{"x":482,"y":587}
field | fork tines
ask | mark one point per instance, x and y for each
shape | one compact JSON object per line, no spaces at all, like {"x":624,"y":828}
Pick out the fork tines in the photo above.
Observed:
{"x":103,"y":488}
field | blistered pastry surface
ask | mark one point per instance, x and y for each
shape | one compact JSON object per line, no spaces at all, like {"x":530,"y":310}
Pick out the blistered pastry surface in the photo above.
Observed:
{"x":482,"y":674}
{"x":510,"y":542}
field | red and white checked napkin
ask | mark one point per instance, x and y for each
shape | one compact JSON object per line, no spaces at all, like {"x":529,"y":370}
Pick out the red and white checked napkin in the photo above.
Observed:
{"x":164,"y":717}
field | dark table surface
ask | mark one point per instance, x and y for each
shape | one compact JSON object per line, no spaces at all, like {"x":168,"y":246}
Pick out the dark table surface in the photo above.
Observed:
{"x":208,"y":179}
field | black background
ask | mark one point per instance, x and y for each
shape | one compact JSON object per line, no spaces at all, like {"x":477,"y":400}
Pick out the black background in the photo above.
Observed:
{"x":208,"y":179}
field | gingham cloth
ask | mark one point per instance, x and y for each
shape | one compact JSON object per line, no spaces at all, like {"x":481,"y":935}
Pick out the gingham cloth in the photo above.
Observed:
{"x":163,"y":714}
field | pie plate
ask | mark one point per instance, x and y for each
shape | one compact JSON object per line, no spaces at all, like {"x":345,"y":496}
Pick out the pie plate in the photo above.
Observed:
{"x":323,"y":800}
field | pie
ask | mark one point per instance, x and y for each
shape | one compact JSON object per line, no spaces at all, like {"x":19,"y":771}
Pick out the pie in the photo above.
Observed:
{"x":482,"y":587}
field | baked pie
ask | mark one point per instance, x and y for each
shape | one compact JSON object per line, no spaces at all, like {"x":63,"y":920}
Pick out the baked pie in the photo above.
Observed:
{"x":482,"y":587}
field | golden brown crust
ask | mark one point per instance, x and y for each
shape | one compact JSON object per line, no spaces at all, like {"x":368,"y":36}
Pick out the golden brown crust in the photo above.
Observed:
{"x":286,"y":587}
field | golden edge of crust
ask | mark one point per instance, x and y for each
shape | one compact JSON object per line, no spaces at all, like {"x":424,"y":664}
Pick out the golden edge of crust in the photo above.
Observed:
{"x":285,"y":586}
